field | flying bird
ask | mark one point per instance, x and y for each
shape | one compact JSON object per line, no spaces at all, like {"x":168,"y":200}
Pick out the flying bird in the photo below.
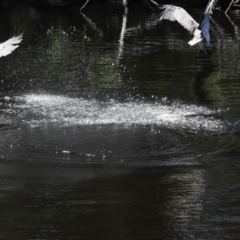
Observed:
{"x":173,"y":13}
{"x":10,"y":45}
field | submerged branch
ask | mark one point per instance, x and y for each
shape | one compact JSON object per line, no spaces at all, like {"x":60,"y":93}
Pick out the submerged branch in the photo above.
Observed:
{"x":229,"y":6}
{"x":123,"y":31}
{"x":231,"y":3}
{"x":84,"y":5}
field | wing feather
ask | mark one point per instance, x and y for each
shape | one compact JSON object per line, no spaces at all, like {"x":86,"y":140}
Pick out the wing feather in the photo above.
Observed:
{"x":174,"y":13}
{"x":10,"y":45}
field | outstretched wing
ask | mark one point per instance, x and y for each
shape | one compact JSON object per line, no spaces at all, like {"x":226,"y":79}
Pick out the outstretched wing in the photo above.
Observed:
{"x":10,"y":45}
{"x":174,"y":13}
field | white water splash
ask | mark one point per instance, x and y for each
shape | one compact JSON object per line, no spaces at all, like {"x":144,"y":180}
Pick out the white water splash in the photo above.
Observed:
{"x":64,"y":111}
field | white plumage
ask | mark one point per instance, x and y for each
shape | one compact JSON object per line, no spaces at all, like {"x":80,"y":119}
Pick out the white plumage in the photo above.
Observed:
{"x":10,"y":45}
{"x":173,"y":13}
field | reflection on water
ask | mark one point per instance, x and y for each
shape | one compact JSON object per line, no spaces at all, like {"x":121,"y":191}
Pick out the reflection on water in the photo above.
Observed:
{"x":113,"y":127}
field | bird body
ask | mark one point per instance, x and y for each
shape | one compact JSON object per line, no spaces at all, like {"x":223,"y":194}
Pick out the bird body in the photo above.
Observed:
{"x":10,"y":45}
{"x":174,"y":13}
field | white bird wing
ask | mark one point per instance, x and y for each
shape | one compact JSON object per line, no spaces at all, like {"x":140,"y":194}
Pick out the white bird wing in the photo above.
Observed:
{"x":10,"y":45}
{"x":174,"y":13}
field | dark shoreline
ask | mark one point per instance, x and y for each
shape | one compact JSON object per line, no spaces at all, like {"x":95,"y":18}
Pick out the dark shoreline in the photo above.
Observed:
{"x":63,"y":3}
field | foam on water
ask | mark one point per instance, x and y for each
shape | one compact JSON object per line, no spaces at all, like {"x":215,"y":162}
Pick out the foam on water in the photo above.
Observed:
{"x":65,"y":111}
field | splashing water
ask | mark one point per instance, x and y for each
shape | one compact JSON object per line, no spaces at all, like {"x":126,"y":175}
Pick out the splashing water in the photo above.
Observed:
{"x":64,"y":111}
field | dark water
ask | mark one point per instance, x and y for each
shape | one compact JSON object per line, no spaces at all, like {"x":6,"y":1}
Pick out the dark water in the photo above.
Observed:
{"x":113,"y":127}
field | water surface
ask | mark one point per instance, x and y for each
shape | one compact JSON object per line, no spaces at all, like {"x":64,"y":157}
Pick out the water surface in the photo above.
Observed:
{"x":113,"y":127}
